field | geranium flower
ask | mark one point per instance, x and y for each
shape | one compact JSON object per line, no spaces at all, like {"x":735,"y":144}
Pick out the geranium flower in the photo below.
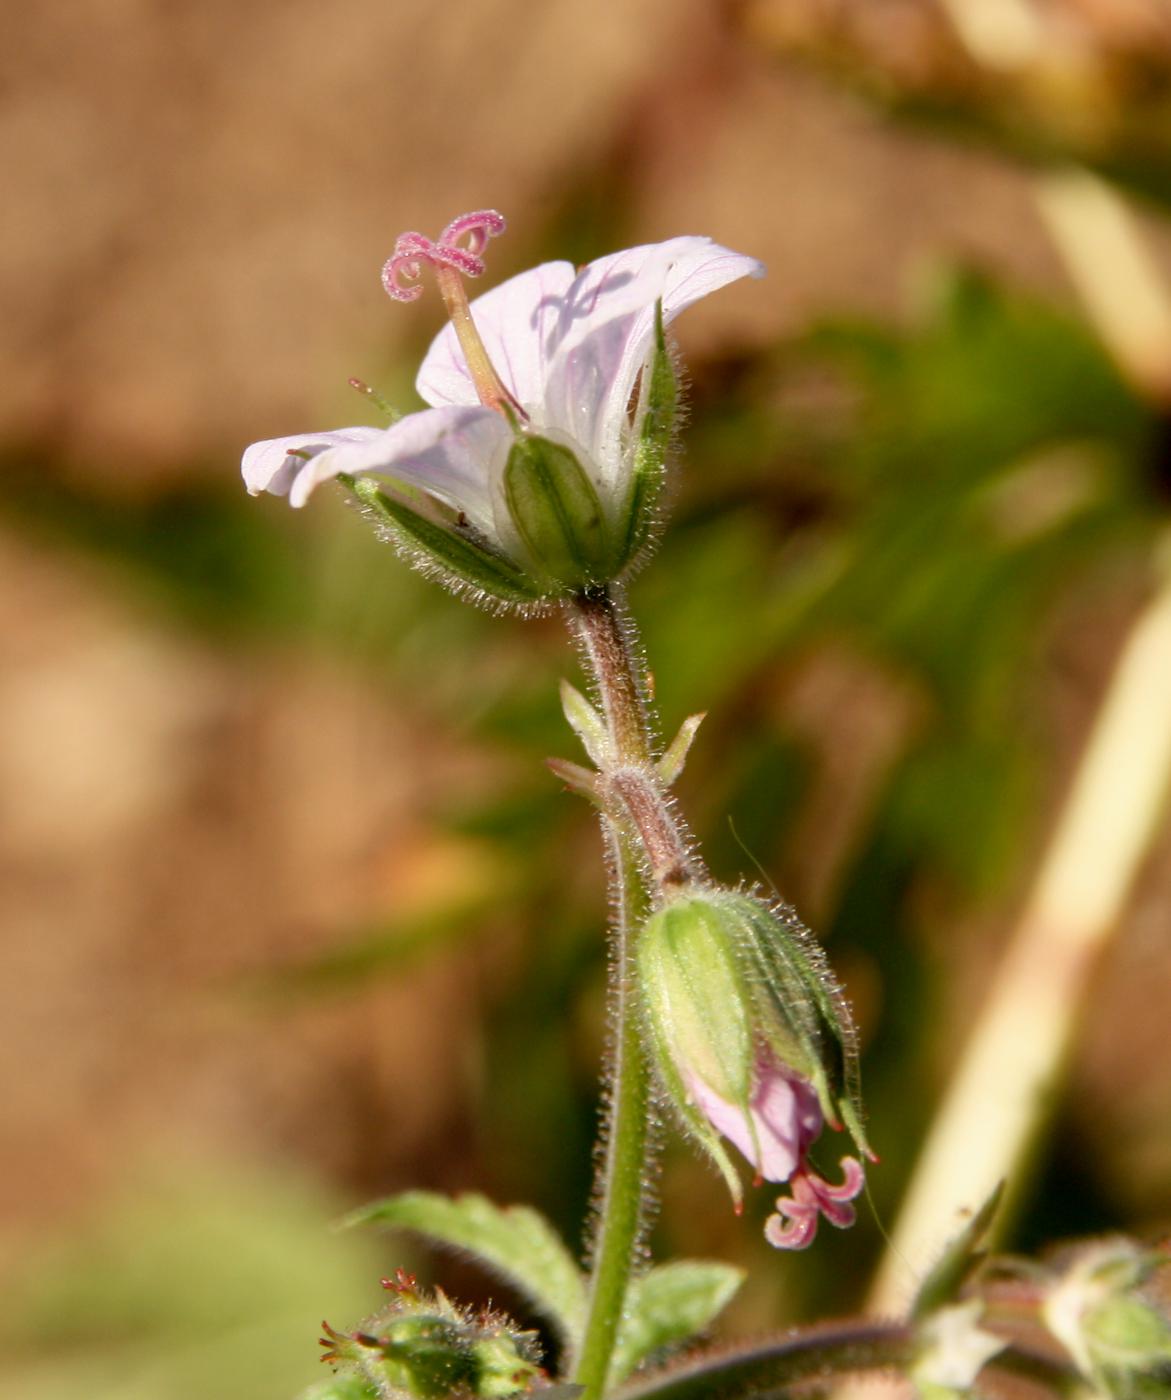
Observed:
{"x":552,"y":402}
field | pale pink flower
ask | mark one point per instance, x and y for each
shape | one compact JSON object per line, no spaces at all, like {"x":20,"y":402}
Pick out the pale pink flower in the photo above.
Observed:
{"x":563,"y":353}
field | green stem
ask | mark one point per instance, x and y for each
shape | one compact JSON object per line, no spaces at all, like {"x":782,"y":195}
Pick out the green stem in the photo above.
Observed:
{"x":605,"y":634}
{"x":605,"y":639}
{"x":621,"y":1214}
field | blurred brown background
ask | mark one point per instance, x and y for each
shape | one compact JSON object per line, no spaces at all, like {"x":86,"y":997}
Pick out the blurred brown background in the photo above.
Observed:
{"x":249,"y":926}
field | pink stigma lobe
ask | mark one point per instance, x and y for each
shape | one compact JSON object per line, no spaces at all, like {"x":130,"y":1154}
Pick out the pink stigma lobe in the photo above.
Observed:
{"x":459,"y":246}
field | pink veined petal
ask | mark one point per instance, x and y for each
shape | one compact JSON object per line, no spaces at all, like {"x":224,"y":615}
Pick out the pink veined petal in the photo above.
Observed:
{"x":271,"y":465}
{"x":454,"y":453}
{"x":788,"y":1117}
{"x":770,"y":1134}
{"x":514,"y":320}
{"x":605,"y":329}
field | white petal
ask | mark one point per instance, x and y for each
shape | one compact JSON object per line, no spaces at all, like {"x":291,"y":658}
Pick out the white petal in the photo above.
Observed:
{"x":605,"y":331}
{"x":453,"y":453}
{"x":273,"y":465}
{"x":515,"y":321}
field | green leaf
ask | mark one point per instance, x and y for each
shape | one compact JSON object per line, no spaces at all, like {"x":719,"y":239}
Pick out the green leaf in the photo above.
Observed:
{"x":514,"y":1242}
{"x":669,"y":1305}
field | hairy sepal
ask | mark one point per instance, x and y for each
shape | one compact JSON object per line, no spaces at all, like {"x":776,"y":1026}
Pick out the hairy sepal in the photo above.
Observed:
{"x":455,"y":555}
{"x":656,"y":420}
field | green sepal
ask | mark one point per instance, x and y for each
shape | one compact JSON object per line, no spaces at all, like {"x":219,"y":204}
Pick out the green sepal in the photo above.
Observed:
{"x":428,"y":1357}
{"x":804,"y":1015}
{"x":656,"y":432}
{"x":721,"y":974}
{"x":557,"y":514}
{"x":696,"y":1008}
{"x":961,"y":1257}
{"x":697,"y":997}
{"x":458,"y":554}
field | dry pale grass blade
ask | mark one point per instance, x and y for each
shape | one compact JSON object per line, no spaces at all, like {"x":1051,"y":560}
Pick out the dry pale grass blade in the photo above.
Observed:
{"x":1003,"y":1089}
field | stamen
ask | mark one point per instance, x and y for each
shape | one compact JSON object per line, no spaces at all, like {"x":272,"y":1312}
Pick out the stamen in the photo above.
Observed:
{"x":375,"y":398}
{"x":455,"y":254}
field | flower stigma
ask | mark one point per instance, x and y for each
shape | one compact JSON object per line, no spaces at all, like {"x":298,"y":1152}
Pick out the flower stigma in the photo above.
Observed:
{"x":455,"y":254}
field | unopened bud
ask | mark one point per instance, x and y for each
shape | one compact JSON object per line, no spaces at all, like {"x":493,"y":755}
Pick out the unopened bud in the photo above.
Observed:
{"x":422,"y":1345}
{"x":753,"y":1043}
{"x":1098,"y":1310}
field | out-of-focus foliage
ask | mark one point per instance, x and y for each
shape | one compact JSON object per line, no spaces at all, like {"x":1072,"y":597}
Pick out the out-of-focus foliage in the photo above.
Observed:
{"x":186,"y":1288}
{"x":1064,"y":83}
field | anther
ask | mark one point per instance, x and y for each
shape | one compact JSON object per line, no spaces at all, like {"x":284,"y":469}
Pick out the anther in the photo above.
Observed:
{"x":375,"y":397}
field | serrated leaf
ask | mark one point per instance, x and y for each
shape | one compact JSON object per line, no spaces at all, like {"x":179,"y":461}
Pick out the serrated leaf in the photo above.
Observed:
{"x":514,"y":1242}
{"x":668,"y":1305}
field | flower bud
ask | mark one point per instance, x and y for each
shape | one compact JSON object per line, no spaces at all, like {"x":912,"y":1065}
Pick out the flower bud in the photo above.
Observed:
{"x":422,"y":1345}
{"x":753,"y":1043}
{"x":1099,"y":1312}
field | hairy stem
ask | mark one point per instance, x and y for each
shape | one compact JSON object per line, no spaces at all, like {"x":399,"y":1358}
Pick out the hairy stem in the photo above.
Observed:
{"x":606,"y":642}
{"x":771,"y":1368}
{"x":605,"y":635}
{"x":815,"y":1356}
{"x":621,"y":1213}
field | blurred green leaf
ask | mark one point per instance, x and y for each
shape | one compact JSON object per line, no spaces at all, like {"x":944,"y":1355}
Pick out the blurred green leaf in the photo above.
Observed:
{"x":513,"y":1241}
{"x":192,"y":1288}
{"x":668,"y":1305}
